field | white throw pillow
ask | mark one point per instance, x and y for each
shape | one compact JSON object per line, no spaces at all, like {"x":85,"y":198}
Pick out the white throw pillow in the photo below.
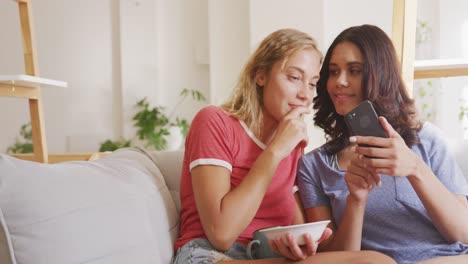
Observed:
{"x":103,"y":211}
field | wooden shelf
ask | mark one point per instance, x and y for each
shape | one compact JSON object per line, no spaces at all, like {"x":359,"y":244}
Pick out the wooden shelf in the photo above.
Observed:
{"x":30,"y":81}
{"x":25,"y":86}
{"x":28,"y":85}
{"x":440,"y":68}
{"x":56,"y":158}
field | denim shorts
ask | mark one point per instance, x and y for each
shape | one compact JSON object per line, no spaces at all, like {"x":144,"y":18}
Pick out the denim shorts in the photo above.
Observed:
{"x":201,"y":251}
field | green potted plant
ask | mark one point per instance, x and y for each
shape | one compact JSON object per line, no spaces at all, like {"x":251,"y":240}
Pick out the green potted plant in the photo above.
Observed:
{"x":424,"y":92}
{"x":24,"y":143}
{"x":154,"y":128}
{"x":463,"y":114}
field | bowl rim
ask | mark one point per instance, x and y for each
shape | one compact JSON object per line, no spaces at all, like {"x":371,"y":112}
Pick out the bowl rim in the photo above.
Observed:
{"x":289,"y":227}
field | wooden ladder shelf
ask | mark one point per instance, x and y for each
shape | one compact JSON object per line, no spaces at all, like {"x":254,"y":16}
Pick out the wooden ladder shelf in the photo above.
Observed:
{"x":29,"y":85}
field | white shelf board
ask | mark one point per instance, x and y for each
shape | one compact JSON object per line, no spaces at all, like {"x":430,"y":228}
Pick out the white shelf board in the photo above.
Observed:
{"x":30,"y":81}
{"x":440,"y":68}
{"x":440,"y":64}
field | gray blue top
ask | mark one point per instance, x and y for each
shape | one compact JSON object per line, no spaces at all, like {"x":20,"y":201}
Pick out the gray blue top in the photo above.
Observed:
{"x":395,"y":221}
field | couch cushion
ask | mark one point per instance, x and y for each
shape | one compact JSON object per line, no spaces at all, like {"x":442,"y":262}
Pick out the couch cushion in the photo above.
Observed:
{"x":170,"y":164}
{"x":112,"y":210}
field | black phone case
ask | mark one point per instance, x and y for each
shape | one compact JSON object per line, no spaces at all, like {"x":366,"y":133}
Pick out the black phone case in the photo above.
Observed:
{"x":363,"y":121}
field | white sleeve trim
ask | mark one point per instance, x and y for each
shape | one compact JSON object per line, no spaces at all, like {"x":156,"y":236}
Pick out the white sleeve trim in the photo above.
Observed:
{"x":215,"y":162}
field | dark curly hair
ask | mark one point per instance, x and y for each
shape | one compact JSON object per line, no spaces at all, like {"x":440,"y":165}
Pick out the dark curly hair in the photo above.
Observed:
{"x":382,"y":84}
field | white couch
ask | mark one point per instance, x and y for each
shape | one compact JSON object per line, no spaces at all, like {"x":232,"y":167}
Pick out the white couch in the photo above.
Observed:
{"x":123,"y":208}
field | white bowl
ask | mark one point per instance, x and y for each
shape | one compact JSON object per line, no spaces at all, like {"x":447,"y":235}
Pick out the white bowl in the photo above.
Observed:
{"x":315,"y":230}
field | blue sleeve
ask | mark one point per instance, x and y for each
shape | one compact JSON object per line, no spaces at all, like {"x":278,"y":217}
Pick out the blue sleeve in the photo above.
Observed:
{"x":309,"y":182}
{"x":442,"y":162}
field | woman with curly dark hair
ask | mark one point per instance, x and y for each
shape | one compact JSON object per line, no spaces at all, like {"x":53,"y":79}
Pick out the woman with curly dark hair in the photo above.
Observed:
{"x":403,"y":195}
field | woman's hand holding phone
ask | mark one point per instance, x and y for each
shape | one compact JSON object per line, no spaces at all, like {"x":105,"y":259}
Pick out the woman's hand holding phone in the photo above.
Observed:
{"x":363,"y":122}
{"x":391,"y":155}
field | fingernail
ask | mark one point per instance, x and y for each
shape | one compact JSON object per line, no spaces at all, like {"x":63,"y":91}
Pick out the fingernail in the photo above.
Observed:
{"x":352,"y":139}
{"x":379,"y":183}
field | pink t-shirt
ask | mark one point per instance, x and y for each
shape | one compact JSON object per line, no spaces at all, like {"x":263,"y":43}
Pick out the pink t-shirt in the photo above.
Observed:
{"x":215,"y":138}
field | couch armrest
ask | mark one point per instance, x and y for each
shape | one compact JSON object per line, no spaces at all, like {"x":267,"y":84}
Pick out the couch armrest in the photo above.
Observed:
{"x":170,"y":165}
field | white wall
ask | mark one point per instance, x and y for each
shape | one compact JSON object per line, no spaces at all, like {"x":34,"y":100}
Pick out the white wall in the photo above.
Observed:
{"x":229,"y":40}
{"x":182,"y":52}
{"x":163,"y":50}
{"x":267,"y":16}
{"x":73,"y":40}
{"x":138,"y":57}
{"x":342,"y":14}
{"x":112,"y":53}
{"x":13,"y":112}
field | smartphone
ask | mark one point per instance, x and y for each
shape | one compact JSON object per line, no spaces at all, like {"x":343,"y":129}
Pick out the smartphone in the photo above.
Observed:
{"x":363,"y":121}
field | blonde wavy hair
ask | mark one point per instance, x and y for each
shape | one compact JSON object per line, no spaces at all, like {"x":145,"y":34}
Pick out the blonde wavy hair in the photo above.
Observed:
{"x":246,"y":102}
